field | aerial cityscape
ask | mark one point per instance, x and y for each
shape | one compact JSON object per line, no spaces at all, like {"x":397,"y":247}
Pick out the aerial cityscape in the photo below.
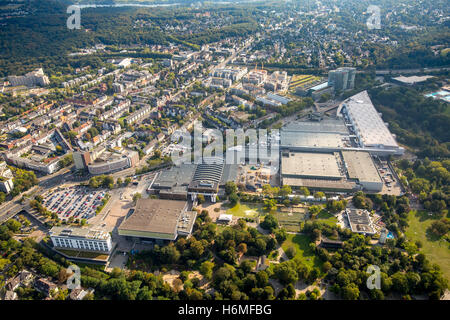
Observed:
{"x":224,"y":150}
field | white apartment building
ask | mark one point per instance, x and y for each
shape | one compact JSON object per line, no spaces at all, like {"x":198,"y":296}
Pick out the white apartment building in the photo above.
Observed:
{"x":6,"y":178}
{"x":36,"y":77}
{"x":6,"y":185}
{"x":81,"y":238}
{"x":235,"y":74}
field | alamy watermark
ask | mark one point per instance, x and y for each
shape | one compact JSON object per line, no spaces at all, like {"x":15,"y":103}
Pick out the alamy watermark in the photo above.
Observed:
{"x":374,"y":280}
{"x":74,"y":20}
{"x":74,"y":281}
{"x":251,"y":146}
{"x":374,"y":21}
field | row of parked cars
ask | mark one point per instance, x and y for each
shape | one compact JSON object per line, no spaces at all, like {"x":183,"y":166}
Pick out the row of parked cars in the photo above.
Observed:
{"x":78,"y":202}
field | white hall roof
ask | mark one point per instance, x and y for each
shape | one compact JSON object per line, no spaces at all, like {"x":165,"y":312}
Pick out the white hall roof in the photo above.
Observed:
{"x":368,"y":122}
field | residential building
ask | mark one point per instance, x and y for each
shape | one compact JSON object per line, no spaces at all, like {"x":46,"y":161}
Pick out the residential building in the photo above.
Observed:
{"x":10,"y":295}
{"x":13,"y":283}
{"x":232,"y":74}
{"x":342,"y":79}
{"x":6,"y":178}
{"x":45,"y":286}
{"x":36,"y":77}
{"x":80,"y":293}
{"x":81,"y":159}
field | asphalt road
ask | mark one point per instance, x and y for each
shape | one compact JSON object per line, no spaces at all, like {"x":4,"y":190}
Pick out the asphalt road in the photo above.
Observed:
{"x":12,"y":207}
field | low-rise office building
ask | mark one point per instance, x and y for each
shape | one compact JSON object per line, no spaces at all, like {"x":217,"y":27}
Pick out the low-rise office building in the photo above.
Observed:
{"x":109,"y":162}
{"x":87,"y":239}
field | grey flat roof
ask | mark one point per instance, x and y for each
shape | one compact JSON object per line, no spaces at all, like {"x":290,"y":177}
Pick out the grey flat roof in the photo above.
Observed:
{"x":155,"y":216}
{"x":77,"y":232}
{"x":358,"y":216}
{"x":312,"y":139}
{"x":328,"y":133}
{"x":360,"y":166}
{"x":229,"y":173}
{"x":304,"y":164}
{"x":326,"y":125}
{"x":320,"y":183}
{"x":186,"y":222}
{"x":175,"y":176}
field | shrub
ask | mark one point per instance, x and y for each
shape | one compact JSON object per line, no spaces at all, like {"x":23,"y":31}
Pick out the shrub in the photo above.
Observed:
{"x":290,"y":252}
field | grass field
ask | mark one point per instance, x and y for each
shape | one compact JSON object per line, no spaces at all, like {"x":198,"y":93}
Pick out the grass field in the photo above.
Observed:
{"x":245,"y":211}
{"x":437,"y":251}
{"x":290,"y":221}
{"x":327,"y":218}
{"x":303,"y":251}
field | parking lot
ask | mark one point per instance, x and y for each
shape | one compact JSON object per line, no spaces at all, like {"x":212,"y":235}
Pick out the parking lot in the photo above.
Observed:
{"x":77,"y":201}
{"x":390,"y":184}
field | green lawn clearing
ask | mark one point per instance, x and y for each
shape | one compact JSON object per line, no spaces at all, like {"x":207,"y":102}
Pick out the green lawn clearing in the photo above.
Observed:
{"x":244,"y":210}
{"x":291,"y":221}
{"x":437,"y":251}
{"x":326,"y":217}
{"x":303,"y":251}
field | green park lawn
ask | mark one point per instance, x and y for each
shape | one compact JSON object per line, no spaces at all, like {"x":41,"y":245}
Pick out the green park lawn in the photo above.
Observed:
{"x":326,"y":217}
{"x":244,"y":211}
{"x":290,"y":221}
{"x":437,"y":251}
{"x":301,"y":244}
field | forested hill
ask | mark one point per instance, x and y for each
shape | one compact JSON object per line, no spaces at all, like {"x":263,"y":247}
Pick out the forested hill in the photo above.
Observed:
{"x":44,"y":39}
{"x":419,"y":122}
{"x":41,"y":38}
